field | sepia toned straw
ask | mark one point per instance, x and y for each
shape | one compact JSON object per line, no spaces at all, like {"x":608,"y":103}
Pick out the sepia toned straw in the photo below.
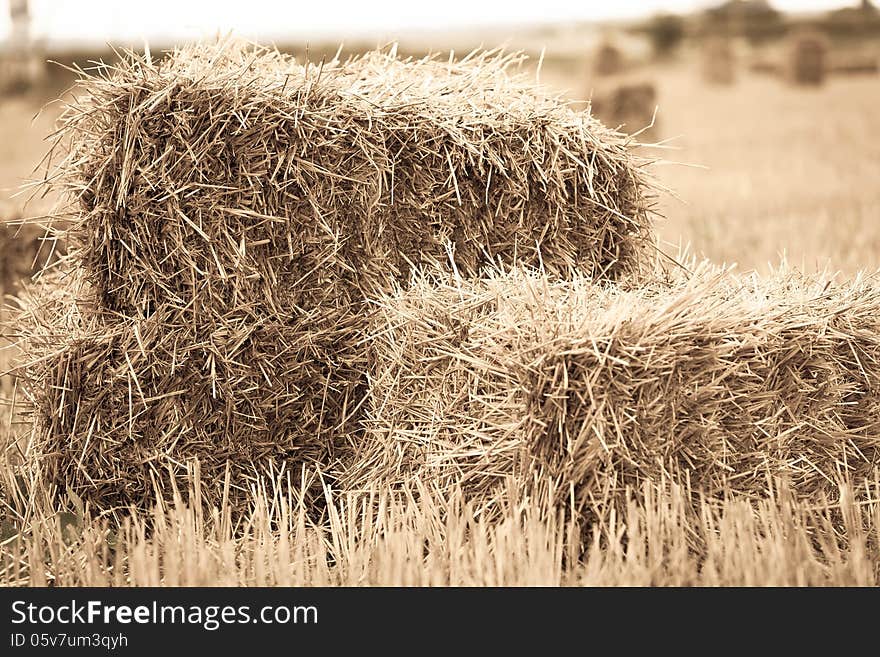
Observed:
{"x":722,"y":382}
{"x":231,"y":212}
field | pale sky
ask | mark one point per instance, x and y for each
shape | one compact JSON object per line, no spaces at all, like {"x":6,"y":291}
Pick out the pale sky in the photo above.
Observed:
{"x":173,"y":20}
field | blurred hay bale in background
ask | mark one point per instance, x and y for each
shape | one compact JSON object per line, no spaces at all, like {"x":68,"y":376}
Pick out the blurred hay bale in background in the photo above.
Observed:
{"x":235,"y":210}
{"x":628,"y":106}
{"x":25,"y":249}
{"x":608,"y":59}
{"x":721,"y":381}
{"x":808,"y":57}
{"x":719,"y":61}
{"x":21,"y":71}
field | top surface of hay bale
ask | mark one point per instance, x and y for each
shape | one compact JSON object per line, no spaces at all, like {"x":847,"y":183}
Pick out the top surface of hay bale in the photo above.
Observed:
{"x":231,"y":174}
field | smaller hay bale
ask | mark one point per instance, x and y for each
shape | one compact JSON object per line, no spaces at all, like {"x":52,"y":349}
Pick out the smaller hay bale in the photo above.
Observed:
{"x":721,"y":382}
{"x":808,"y":58}
{"x":608,"y":59}
{"x":719,"y":62}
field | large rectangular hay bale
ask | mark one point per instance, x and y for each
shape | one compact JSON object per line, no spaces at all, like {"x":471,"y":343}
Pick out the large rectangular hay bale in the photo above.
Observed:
{"x":233,"y":174}
{"x":235,"y":209}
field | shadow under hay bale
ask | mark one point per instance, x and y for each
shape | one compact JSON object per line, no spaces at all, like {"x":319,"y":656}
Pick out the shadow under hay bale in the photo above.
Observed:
{"x":763,"y":66}
{"x":630,"y":106}
{"x":722,"y":382}
{"x":719,"y":62}
{"x":808,"y":58}
{"x":235,"y":212}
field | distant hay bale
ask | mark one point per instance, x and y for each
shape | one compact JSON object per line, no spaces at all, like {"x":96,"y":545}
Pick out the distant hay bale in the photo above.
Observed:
{"x":20,"y":72}
{"x":631,"y":106}
{"x":234,"y":212}
{"x":719,"y":62}
{"x":608,"y":59}
{"x":25,"y":250}
{"x":808,"y":58}
{"x":723,"y":381}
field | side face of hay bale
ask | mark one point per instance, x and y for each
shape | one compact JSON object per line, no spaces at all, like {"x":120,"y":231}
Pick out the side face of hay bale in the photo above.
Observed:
{"x":441,"y":407}
{"x":250,"y":174}
{"x":723,"y":382}
{"x":722,"y":386}
{"x":808,"y":55}
{"x":120,"y":410}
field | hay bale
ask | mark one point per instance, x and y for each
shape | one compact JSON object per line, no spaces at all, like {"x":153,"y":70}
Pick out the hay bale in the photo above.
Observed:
{"x":236,"y":209}
{"x":25,"y":250}
{"x":719,"y":62}
{"x":808,"y":55}
{"x":232,"y":171}
{"x":630,"y":106}
{"x":608,"y":59}
{"x":124,"y":408}
{"x":723,"y":381}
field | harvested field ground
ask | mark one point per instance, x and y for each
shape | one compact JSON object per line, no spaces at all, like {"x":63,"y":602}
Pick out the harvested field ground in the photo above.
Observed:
{"x":791,"y":172}
{"x":779,"y":174}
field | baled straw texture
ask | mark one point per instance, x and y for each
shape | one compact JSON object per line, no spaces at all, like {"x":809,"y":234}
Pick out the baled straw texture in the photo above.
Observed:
{"x":231,"y":175}
{"x":121,"y":409}
{"x":235,"y":209}
{"x":723,"y":381}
